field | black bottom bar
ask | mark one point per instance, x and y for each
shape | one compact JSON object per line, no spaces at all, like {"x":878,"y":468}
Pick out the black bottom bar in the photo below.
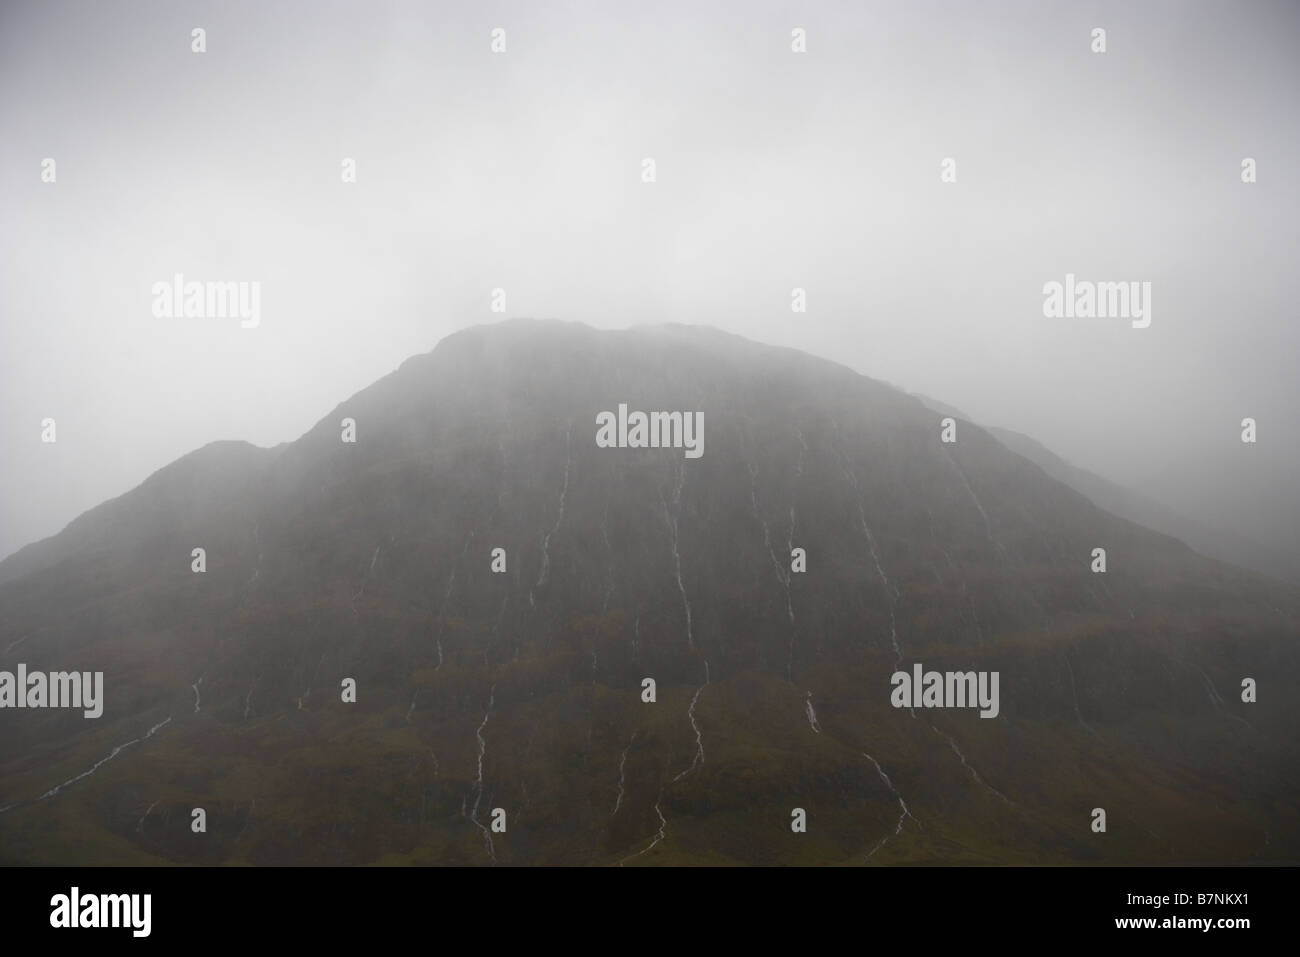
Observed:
{"x":189,"y":906}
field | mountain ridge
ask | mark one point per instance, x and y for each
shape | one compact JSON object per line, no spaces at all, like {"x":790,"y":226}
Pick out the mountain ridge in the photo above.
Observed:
{"x":521,"y":690}
{"x":1232,"y":547}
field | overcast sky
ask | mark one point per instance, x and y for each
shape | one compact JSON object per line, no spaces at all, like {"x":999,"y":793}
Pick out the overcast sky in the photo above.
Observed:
{"x":523,"y":170}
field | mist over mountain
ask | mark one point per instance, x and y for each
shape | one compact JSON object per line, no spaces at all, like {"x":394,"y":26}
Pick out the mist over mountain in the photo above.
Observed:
{"x":1224,"y":543}
{"x":521,"y":689}
{"x":1253,"y":493}
{"x":1227,"y":542}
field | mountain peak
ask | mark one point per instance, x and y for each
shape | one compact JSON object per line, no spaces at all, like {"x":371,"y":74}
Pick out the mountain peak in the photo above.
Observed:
{"x":497,"y":586}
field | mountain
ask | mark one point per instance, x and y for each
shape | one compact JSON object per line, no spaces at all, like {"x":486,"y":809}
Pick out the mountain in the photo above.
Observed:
{"x":516,"y":696}
{"x":1220,"y":543}
{"x":1254,"y":490}
{"x":1213,"y":540}
{"x":943,"y":408}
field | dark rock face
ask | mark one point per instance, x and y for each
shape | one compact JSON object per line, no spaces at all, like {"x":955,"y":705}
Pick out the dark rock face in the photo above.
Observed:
{"x":522,"y":690}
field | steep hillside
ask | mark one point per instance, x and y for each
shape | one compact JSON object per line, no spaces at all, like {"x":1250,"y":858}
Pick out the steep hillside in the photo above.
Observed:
{"x":521,"y":690}
{"x":1214,"y":541}
{"x":1127,"y":503}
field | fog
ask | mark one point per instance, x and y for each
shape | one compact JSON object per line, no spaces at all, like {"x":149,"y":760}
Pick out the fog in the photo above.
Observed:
{"x":774,"y":170}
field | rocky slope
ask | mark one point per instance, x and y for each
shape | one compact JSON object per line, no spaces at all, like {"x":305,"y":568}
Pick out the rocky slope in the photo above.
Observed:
{"x":522,"y":690}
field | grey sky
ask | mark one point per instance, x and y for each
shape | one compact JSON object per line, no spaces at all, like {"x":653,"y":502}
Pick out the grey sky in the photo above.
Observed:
{"x":522,"y":171}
